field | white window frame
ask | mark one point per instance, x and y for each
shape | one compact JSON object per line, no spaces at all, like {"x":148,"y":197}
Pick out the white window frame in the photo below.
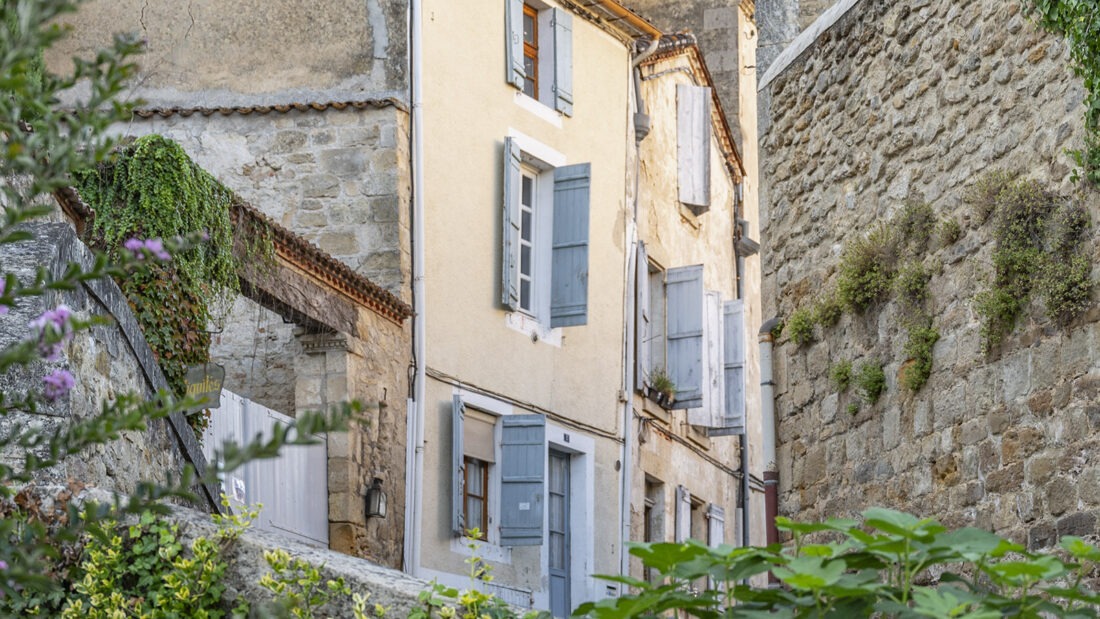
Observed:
{"x":544,"y":105}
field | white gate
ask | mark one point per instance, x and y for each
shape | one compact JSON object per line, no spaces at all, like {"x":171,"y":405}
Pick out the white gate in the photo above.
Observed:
{"x":292,"y":488}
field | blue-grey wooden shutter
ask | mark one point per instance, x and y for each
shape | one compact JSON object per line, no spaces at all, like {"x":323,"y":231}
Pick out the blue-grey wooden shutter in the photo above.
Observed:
{"x":683,"y":514}
{"x":642,"y":365}
{"x":513,"y":26}
{"x":693,"y":145}
{"x":563,"y":62}
{"x":711,"y":413}
{"x":569,"y":263}
{"x":684,"y":302}
{"x":509,"y":272}
{"x":458,"y":469}
{"x":716,"y":526}
{"x":522,"y":479}
{"x":733,"y":338}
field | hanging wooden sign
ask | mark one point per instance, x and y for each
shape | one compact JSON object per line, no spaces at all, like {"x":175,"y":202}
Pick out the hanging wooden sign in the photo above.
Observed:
{"x":204,"y":383}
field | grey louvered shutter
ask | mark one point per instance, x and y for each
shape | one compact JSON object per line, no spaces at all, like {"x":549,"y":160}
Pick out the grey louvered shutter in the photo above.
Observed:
{"x":513,"y":26}
{"x":509,"y":271}
{"x":684,"y":302}
{"x":641,"y":318}
{"x":693,"y":145}
{"x":458,"y":469}
{"x":522,"y":479}
{"x":569,"y":262}
{"x":683,"y":514}
{"x":733,"y":369}
{"x":711,"y":414}
{"x":563,"y":62}
{"x":716,"y":526}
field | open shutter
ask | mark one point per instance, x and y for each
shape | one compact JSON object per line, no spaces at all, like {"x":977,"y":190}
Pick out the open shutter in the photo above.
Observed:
{"x":458,"y":469}
{"x":642,"y":364}
{"x":509,"y":272}
{"x":683,"y":514}
{"x":513,"y":26}
{"x":563,"y":62}
{"x":693,"y":145}
{"x":684,"y":292}
{"x":522,"y":477}
{"x":569,"y":270}
{"x":711,"y":413}
{"x":733,"y":370}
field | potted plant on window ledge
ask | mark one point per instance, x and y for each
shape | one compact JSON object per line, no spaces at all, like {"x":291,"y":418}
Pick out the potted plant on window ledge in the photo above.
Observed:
{"x":661,"y":389}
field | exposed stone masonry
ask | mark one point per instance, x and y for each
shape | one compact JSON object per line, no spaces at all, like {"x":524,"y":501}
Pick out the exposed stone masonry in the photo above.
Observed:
{"x":915,"y":100}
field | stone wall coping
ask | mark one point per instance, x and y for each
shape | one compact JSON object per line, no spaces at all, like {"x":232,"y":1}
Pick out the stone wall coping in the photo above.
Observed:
{"x":70,"y":249}
{"x":805,"y":40}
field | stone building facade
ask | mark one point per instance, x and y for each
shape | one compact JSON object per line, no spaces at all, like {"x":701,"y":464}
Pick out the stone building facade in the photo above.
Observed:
{"x":915,"y":101}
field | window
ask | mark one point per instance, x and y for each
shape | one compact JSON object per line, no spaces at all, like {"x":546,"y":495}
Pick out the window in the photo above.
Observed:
{"x":653,"y":519}
{"x":693,"y":146}
{"x":540,"y":53}
{"x":545,"y":238}
{"x":519,"y":481}
{"x":476,"y":504}
{"x":698,"y":341}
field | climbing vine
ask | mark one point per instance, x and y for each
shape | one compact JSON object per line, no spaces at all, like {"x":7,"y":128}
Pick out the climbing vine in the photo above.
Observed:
{"x":150,"y":189}
{"x":1079,"y":23}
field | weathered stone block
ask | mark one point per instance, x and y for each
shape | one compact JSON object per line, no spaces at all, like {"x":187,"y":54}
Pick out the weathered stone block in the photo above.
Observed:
{"x":1080,"y":524}
{"x":1061,"y":496}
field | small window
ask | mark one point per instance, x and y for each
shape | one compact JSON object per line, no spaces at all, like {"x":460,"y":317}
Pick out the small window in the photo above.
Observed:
{"x":476,"y":500}
{"x":527,"y":229}
{"x":540,"y":53}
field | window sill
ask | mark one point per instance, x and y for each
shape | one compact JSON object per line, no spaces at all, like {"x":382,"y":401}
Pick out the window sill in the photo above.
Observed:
{"x":485,"y":550}
{"x":539,"y":109}
{"x":532,"y":328}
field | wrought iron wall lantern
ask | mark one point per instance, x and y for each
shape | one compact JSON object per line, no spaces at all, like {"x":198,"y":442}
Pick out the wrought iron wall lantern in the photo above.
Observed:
{"x":376,"y":500}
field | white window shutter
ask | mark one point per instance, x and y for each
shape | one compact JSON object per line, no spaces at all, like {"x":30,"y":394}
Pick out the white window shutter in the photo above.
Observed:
{"x":642,"y":365}
{"x":683,"y":514}
{"x":733,"y":370}
{"x":509,"y":272}
{"x":684,"y":297}
{"x":569,"y":262}
{"x":513,"y":26}
{"x":563,"y":62}
{"x":693,"y":145}
{"x":711,"y":413}
{"x":458,"y":469}
{"x":522,"y":479}
{"x":716,"y":526}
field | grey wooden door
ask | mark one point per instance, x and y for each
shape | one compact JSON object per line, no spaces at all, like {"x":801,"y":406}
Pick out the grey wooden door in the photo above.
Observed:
{"x":558,"y":490}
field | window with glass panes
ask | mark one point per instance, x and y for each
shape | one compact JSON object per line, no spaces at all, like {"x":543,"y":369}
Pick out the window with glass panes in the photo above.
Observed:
{"x":527,"y":241}
{"x":531,"y":51}
{"x":477,"y":483}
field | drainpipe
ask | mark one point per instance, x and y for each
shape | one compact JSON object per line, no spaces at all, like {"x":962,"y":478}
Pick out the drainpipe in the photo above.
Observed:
{"x":767,"y":419}
{"x":641,"y":121}
{"x":414,"y":487}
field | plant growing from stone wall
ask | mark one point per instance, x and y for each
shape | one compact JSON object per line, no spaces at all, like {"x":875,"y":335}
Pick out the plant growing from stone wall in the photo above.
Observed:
{"x":840,"y":374}
{"x":800,"y":326}
{"x":1040,"y":248}
{"x":870,"y":381}
{"x":1079,"y":22}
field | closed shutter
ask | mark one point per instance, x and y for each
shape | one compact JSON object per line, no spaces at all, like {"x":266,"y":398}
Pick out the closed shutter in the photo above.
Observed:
{"x":522,"y":479}
{"x":684,"y":292}
{"x":458,"y":468}
{"x":513,"y":25}
{"x":641,"y":318}
{"x":569,"y":270}
{"x":509,"y":272}
{"x":478,"y":440}
{"x":563,"y":62}
{"x":711,"y":414}
{"x":683,"y":514}
{"x":733,"y":338}
{"x":716,"y":526}
{"x":693,"y":145}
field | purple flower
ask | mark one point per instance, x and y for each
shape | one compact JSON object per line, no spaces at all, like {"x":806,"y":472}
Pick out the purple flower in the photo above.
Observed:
{"x":156,"y":247}
{"x":3,"y":565}
{"x":135,"y":245}
{"x":153,"y":246}
{"x":57,"y":384}
{"x":3,"y":308}
{"x":54,"y":329}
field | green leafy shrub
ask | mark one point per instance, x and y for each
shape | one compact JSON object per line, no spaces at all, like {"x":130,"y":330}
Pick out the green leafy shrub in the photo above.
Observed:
{"x":853,"y":409}
{"x":919,"y":349}
{"x":911,"y":285}
{"x":870,"y":381}
{"x":950,"y":231}
{"x":983,"y":195}
{"x":915,"y":223}
{"x":800,"y":326}
{"x":889,"y":565}
{"x":300,"y":592}
{"x":867,"y":268}
{"x":828,"y":309}
{"x":840,"y":374}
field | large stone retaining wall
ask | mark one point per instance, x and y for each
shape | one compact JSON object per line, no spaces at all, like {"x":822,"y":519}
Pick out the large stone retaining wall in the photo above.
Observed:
{"x":915,"y":100}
